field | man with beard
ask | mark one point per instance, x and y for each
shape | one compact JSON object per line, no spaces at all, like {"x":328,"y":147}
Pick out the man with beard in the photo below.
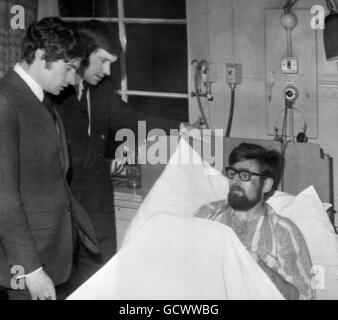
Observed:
{"x":274,"y":242}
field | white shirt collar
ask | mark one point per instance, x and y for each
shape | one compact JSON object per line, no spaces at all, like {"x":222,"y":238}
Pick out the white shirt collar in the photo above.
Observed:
{"x":33,"y":85}
{"x":80,"y":89}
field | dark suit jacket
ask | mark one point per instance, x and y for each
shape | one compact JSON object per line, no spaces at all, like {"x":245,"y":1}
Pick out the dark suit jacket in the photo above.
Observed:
{"x":90,"y":181}
{"x":89,"y":175}
{"x":108,"y":112}
{"x":36,"y":206}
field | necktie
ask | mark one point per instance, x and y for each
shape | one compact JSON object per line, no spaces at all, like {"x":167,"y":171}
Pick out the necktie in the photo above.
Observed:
{"x":84,"y":102}
{"x":50,"y":107}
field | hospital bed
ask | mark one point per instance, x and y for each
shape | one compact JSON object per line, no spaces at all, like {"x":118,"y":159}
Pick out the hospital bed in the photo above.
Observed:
{"x":169,"y":254}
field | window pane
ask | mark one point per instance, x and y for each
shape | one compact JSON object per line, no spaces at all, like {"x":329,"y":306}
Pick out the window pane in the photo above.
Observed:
{"x":160,"y":113}
{"x":115,"y":68}
{"x":165,"y":9}
{"x":157,"y":58}
{"x":169,"y":112}
{"x":88,"y":8}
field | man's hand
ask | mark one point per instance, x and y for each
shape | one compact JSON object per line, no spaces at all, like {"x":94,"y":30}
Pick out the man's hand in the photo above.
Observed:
{"x":116,"y":167}
{"x":40,"y":286}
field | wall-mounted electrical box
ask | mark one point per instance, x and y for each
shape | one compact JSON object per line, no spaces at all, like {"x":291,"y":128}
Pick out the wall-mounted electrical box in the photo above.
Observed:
{"x":289,"y":65}
{"x":298,"y":69}
{"x":233,"y":73}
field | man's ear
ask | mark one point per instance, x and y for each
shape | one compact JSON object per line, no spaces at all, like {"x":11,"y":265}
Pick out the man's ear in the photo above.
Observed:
{"x":77,"y":79}
{"x":40,"y":55}
{"x":268,"y":184}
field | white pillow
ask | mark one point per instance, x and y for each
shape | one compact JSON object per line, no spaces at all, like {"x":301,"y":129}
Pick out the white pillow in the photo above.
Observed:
{"x":308,"y":213}
{"x":281,"y":199}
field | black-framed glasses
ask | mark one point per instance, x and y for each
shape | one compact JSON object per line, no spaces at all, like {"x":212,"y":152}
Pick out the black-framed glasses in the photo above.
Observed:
{"x":244,"y":175}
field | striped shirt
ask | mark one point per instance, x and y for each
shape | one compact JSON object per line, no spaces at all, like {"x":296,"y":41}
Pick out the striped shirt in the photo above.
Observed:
{"x":274,"y":238}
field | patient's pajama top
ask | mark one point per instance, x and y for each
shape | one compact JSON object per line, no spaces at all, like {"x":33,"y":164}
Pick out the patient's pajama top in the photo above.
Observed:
{"x":274,"y":238}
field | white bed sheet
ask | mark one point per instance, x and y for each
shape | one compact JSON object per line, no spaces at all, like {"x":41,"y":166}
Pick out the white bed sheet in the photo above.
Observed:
{"x":179,"y":258}
{"x":183,"y":188}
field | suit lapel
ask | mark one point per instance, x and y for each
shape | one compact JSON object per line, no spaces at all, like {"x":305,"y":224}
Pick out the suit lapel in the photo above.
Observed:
{"x":99,"y":115}
{"x":28,"y":101}
{"x":86,"y":162}
{"x":64,"y":147}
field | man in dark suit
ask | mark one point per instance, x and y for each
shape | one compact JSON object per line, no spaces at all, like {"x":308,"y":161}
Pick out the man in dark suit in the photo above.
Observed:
{"x":39,"y":217}
{"x":90,"y":111}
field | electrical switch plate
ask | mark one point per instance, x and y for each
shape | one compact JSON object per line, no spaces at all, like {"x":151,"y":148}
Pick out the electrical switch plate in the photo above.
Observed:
{"x":289,"y":65}
{"x":233,"y":73}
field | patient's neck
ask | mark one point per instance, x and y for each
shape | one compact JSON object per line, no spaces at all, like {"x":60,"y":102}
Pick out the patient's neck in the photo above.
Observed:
{"x":252,"y":214}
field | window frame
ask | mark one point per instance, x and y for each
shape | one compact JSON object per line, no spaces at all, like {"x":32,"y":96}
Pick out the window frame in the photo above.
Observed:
{"x":122,"y":21}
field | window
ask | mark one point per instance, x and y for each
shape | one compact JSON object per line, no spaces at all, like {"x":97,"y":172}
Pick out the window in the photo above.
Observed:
{"x":152,"y":72}
{"x":88,"y":8}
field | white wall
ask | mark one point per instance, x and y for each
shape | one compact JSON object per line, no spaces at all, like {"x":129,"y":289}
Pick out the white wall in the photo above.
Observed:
{"x":224,"y":31}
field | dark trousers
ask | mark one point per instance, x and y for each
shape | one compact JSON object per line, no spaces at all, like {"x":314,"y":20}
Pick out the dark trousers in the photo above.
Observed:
{"x":85,"y":263}
{"x":84,"y":266}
